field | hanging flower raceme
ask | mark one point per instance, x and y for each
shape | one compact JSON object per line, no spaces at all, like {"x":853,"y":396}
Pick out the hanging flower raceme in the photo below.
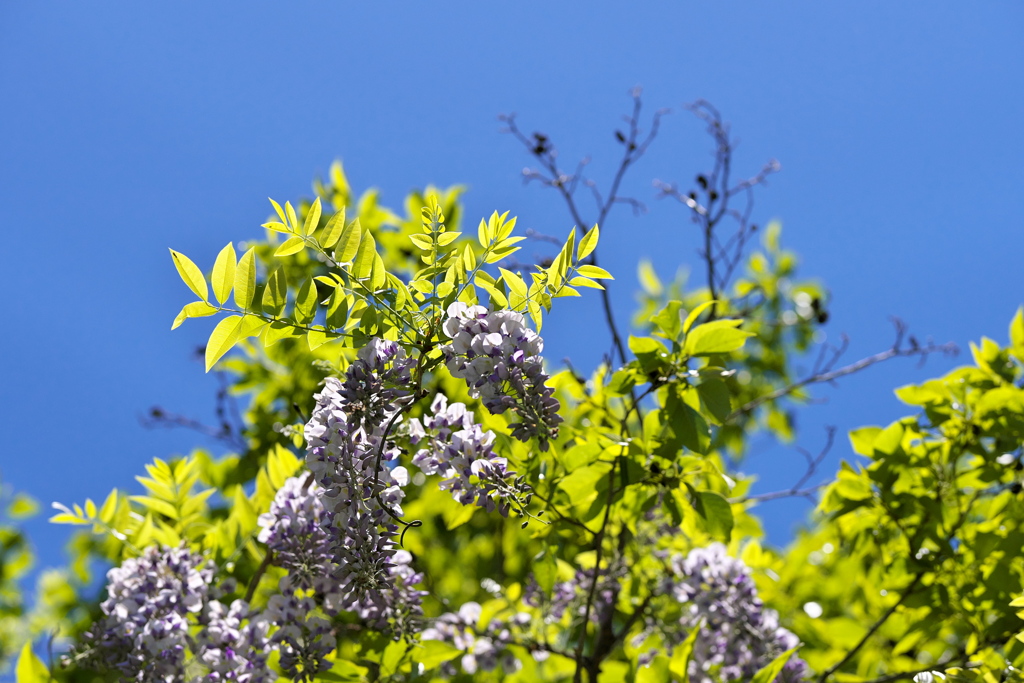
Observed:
{"x":350,"y":451}
{"x":499,"y":358}
{"x":739,"y":635}
{"x":572,"y":595}
{"x":296,"y":531}
{"x":232,"y":646}
{"x":144,"y":632}
{"x":303,"y":638}
{"x":455,"y":447}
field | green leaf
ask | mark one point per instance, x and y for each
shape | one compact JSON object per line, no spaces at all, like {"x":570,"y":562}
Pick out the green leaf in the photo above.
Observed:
{"x":223,"y":337}
{"x":278,"y":210}
{"x":196,"y":309}
{"x":650,"y":352}
{"x":772,"y":671}
{"x":362,"y":266}
{"x":444,"y":239}
{"x":293,"y":220}
{"x":717,"y":515}
{"x":593,"y":271}
{"x":223,"y":277}
{"x":292,"y":245}
{"x":655,"y":672}
{"x":1017,"y":334}
{"x":379,"y":274}
{"x":348,"y":243}
{"x":312,"y":218}
{"x":305,"y":302}
{"x":863,"y":440}
{"x":275,"y":293}
{"x":22,"y":506}
{"x":30,"y":669}
{"x":545,"y":571}
{"x":714,"y":398}
{"x":669,"y":320}
{"x":588,"y":243}
{"x":514,"y":282}
{"x":696,"y":313}
{"x":581,"y":485}
{"x":245,"y":279}
{"x":332,"y":231}
{"x":422,"y":242}
{"x":316,"y":338}
{"x":580,"y":281}
{"x":190,"y":273}
{"x":717,"y":336}
{"x":433,"y":653}
{"x":680,"y":662}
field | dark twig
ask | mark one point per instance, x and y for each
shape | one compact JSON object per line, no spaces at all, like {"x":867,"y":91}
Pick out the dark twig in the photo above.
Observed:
{"x":160,"y":418}
{"x":824,"y":371}
{"x":798,"y":490}
{"x":550,"y":174}
{"x":709,"y":203}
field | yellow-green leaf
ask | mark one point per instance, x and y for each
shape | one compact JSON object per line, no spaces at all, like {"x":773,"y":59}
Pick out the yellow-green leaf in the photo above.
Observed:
{"x":585,"y":282}
{"x":362,"y":266}
{"x":223,"y":337}
{"x":191,"y":274}
{"x":333,"y":229}
{"x":379,"y":275}
{"x":293,"y":220}
{"x":316,"y":338}
{"x":196,"y":309}
{"x":245,"y":279}
{"x":588,"y":243}
{"x":312,"y":218}
{"x":223,"y":278}
{"x":278,"y":210}
{"x":348,"y":243}
{"x":30,"y":669}
{"x":718,"y":336}
{"x":444,"y":239}
{"x":292,"y":245}
{"x":514,"y":282}
{"x":305,"y":303}
{"x":696,"y":313}
{"x":422,"y":242}
{"x":593,"y":271}
{"x":275,"y":293}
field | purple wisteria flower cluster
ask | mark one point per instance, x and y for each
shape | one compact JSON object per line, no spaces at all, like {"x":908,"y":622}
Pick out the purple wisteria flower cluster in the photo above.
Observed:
{"x":571,"y":596}
{"x":152,"y":602}
{"x":499,"y":358}
{"x":349,"y":451}
{"x":484,"y":651}
{"x":738,"y":634}
{"x":233,"y":646}
{"x":454,"y":446}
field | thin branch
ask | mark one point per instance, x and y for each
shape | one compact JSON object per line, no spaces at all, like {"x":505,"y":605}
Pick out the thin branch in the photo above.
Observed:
{"x":826,"y":373}
{"x":798,"y":490}
{"x":550,"y":174}
{"x":709,"y":203}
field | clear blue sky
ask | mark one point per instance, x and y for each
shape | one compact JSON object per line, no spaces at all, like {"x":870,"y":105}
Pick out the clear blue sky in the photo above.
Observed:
{"x":130,"y":127}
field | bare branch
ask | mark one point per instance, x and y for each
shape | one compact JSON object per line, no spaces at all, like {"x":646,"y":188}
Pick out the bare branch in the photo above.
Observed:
{"x":798,"y":489}
{"x":824,"y":371}
{"x":550,"y":174}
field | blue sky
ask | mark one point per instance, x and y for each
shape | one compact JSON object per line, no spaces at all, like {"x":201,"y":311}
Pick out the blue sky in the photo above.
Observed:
{"x":130,"y":128}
